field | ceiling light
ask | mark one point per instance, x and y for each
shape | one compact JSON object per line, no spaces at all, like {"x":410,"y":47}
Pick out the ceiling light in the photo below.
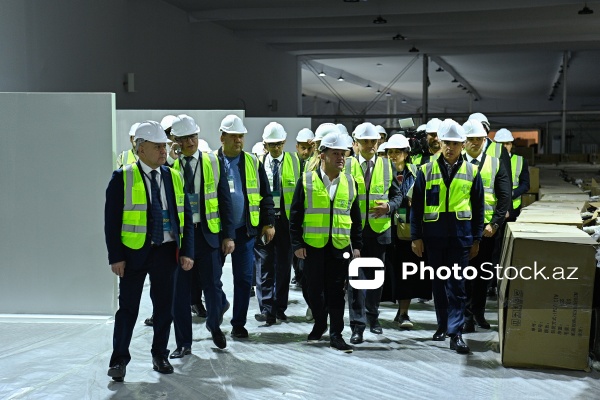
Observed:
{"x":403,"y":101}
{"x":341,"y":79}
{"x":322,"y":73}
{"x":379,"y":64}
{"x":388,"y":94}
{"x":454,"y":80}
{"x":379,"y":20}
{"x":413,"y":50}
{"x":439,"y":69}
{"x":398,"y":37}
{"x":368,"y":86}
{"x":585,"y":10}
{"x":378,"y":91}
{"x":459,"y":86}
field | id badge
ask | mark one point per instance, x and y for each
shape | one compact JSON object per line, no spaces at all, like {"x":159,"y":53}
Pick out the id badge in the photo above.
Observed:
{"x":231,"y":184}
{"x":401,"y":215}
{"x":195,"y":206}
{"x":276,"y":198}
{"x":166,"y":221}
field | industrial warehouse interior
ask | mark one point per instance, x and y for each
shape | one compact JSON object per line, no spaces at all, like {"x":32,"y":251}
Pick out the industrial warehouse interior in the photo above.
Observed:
{"x":76,"y":76}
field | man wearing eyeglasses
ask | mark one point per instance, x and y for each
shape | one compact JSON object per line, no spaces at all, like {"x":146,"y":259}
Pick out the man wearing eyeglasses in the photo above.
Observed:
{"x":273,"y":259}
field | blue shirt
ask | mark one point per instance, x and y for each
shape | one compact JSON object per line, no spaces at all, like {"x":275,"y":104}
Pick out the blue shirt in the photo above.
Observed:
{"x":237,"y":197}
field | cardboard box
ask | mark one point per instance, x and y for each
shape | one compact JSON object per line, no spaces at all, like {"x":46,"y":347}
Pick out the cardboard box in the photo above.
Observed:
{"x":552,"y":213}
{"x":534,"y":180}
{"x":546,"y":323}
{"x":580,"y":198}
{"x":595,"y":188}
{"x":527,"y":199}
{"x":525,"y":152}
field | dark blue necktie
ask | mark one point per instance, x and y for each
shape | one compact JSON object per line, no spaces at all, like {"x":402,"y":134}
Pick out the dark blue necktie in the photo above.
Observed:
{"x":276,"y":175}
{"x":188,"y":175}
{"x":157,"y":227}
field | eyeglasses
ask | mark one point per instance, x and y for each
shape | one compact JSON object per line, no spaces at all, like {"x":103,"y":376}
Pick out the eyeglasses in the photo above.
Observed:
{"x":184,"y":138}
{"x":279,"y":144}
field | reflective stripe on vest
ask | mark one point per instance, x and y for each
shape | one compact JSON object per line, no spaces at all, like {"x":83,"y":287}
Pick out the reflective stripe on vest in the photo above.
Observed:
{"x":252,"y":187}
{"x":494,"y":149}
{"x":317,"y":216}
{"x":128,"y":157}
{"x":488,"y":172}
{"x":135,"y":206}
{"x":516,"y":163}
{"x":210,"y":179}
{"x":459,"y":198}
{"x":378,"y":191}
{"x":290,"y":174}
{"x":413,"y":169}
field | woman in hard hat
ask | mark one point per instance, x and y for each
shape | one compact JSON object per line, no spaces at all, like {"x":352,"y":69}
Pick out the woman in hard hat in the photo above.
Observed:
{"x":398,"y":151}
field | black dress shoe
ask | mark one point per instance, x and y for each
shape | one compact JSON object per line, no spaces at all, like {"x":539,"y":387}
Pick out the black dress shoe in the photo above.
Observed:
{"x":469,"y":325}
{"x":162,"y":364}
{"x":252,"y":292}
{"x":317,"y":333}
{"x":281,"y":316}
{"x":440,"y":335}
{"x":338,"y":343}
{"x":264,"y":317}
{"x":457,"y":343}
{"x":357,"y":337}
{"x":376,"y":328}
{"x":149,"y":321}
{"x":218,"y":338}
{"x":199,"y":310}
{"x":180,"y":352}
{"x":239,"y":332}
{"x":117,"y":372}
{"x":481,"y":321}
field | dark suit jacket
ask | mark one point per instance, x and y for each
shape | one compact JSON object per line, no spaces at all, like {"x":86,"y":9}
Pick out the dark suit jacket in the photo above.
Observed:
{"x":394,"y":199}
{"x":267,"y":212}
{"x":225,"y":207}
{"x":297,"y":219}
{"x":113,"y":221}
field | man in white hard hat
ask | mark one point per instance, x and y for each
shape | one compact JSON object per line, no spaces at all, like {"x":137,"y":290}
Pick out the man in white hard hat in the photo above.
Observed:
{"x":496,"y":185}
{"x":325,"y":227}
{"x":253,"y":214}
{"x":433,"y":143}
{"x":259,"y":149}
{"x":314,"y":161}
{"x":519,"y":170}
{"x":149,"y":231}
{"x":304,"y":146}
{"x":273,"y":260}
{"x":491,"y":148}
{"x":382,"y":135}
{"x":447,"y":221}
{"x":378,"y":196}
{"x":208,"y":192}
{"x":129,"y":156}
{"x":173,"y":148}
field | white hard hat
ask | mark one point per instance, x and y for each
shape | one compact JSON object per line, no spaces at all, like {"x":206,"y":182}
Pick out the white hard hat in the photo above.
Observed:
{"x":342,"y":128}
{"x":324,"y":129}
{"x":452,"y":131}
{"x":422,"y":128}
{"x":233,"y":124}
{"x":133,"y":128}
{"x":167,"y":121}
{"x":474,"y":128}
{"x":398,"y":141}
{"x":305,"y":135}
{"x":203,"y":146}
{"x":258,"y":148}
{"x":366,"y":130}
{"x":433,"y":125}
{"x":184,"y":125}
{"x":334,"y":140}
{"x":274,"y":133}
{"x":381,"y":129}
{"x":503,"y":135}
{"x":151,"y":131}
{"x":382,"y":147}
{"x":481,"y":118}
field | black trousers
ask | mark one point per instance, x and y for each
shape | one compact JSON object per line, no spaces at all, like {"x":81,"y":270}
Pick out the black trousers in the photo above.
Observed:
{"x":160,"y":265}
{"x":476,"y":289}
{"x":326,"y":275}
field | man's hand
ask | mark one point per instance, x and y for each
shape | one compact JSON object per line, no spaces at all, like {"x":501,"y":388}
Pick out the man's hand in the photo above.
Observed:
{"x":186,"y":263}
{"x":301,"y":253}
{"x":380,"y":210}
{"x":489,"y":231}
{"x":227,"y":246}
{"x":268,"y":232}
{"x":418,"y":247}
{"x":118,"y":268}
{"x":474,"y":250}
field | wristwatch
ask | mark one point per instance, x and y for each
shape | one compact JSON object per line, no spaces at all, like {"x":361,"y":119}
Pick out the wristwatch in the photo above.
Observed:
{"x":495,"y":226}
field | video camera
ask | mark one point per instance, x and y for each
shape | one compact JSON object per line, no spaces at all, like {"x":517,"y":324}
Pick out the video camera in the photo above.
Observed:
{"x":417,"y":139}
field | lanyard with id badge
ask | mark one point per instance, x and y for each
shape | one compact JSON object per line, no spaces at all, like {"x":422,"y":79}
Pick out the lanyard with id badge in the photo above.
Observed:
{"x":230,"y":180}
{"x":275,"y":183}
{"x":192,"y":195}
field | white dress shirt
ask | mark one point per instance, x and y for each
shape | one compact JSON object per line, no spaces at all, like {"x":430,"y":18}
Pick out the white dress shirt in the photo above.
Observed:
{"x":330,"y":185}
{"x":163,"y":195}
